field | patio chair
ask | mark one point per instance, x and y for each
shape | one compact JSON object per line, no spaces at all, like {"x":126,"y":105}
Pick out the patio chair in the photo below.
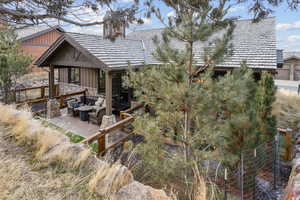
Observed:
{"x":71,"y":107}
{"x":96,"y":117}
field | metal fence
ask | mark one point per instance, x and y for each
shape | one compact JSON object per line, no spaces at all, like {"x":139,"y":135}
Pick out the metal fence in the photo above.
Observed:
{"x":259,"y":175}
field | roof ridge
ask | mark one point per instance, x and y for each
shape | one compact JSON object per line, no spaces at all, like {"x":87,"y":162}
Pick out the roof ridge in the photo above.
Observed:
{"x":84,"y":34}
{"x":152,"y":29}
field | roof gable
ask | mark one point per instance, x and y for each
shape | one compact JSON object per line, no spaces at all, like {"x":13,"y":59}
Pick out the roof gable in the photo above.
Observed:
{"x":68,"y":53}
{"x":35,"y":31}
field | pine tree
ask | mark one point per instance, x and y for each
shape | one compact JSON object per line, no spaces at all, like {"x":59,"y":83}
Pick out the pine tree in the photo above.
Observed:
{"x":209,"y":119}
{"x":13,"y":63}
{"x":174,"y":89}
{"x":265,"y":97}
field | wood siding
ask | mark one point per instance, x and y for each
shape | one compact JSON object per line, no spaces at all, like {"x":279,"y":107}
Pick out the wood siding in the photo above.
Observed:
{"x":68,"y":56}
{"x":45,"y":39}
{"x":89,"y":77}
{"x":63,"y":75}
{"x":35,"y":47}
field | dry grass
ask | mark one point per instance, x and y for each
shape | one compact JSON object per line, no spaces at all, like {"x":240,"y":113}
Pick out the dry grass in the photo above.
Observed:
{"x":21,"y":180}
{"x":110,"y":178}
{"x":51,"y":149}
{"x":287,"y":109}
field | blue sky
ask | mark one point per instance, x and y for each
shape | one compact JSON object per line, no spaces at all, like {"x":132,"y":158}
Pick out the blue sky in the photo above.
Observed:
{"x":287,"y":28}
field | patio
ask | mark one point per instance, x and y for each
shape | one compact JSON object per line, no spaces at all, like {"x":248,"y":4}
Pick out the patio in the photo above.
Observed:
{"x":83,"y":128}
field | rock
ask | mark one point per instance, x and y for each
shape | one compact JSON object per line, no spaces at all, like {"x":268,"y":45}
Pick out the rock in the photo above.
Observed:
{"x":109,"y":179}
{"x":138,"y":191}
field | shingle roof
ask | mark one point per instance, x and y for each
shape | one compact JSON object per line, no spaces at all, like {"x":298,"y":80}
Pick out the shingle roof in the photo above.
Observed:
{"x":254,"y":43}
{"x":115,"y":54}
{"x":34,"y":31}
{"x":291,"y":54}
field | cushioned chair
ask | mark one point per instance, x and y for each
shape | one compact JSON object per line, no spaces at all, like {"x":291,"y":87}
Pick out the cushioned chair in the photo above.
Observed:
{"x":71,"y":105}
{"x":96,"y":116}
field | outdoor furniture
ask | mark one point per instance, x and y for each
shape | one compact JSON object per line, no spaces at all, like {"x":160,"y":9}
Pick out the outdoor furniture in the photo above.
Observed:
{"x":83,"y":112}
{"x":91,"y":100}
{"x":72,"y":106}
{"x":96,"y":117}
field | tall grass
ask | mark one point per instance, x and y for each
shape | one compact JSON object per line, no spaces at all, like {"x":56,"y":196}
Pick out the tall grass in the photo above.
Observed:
{"x":52,"y":148}
{"x":287,"y":109}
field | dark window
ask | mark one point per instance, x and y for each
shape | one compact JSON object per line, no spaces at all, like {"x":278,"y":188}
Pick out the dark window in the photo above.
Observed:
{"x":74,"y":75}
{"x":101,"y":81}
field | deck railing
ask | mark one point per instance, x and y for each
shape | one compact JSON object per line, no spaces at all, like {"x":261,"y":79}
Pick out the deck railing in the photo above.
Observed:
{"x":126,"y":118}
{"x":32,"y":93}
{"x":59,"y":98}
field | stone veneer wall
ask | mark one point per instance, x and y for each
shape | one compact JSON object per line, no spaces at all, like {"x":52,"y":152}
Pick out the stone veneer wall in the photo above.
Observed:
{"x":293,"y":189}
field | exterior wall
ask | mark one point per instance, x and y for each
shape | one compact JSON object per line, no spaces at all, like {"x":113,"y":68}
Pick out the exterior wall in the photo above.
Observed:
{"x":289,"y":71}
{"x":35,"y":47}
{"x":88,"y":80}
{"x":88,"y":77}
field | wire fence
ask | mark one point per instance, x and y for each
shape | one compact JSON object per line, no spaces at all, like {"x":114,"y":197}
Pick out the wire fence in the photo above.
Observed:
{"x":260,"y":174}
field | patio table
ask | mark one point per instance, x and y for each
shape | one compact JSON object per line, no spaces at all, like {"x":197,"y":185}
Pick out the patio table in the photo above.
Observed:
{"x":83,"y":112}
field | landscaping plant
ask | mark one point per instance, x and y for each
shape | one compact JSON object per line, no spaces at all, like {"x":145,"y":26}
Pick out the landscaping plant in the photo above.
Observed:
{"x":13,"y":64}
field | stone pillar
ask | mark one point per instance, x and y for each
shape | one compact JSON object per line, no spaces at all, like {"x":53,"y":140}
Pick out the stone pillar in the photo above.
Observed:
{"x":53,"y":109}
{"x":108,"y":119}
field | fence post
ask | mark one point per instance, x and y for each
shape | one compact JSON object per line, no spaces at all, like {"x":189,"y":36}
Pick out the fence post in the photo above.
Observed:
{"x":225,"y":182}
{"x":242,"y":176}
{"x":101,"y":144}
{"x":42,"y":92}
{"x":275,"y":162}
{"x":254,"y":176}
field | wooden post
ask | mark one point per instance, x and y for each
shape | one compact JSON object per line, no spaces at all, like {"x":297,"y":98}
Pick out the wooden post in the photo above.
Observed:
{"x":108,"y":93}
{"x":42,"y":92}
{"x":51,"y":82}
{"x":101,"y":144}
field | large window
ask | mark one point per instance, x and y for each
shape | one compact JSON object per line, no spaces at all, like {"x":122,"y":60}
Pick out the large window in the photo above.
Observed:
{"x":74,"y":75}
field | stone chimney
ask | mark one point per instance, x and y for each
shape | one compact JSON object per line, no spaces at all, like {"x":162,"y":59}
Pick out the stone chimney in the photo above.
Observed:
{"x":113,"y":28}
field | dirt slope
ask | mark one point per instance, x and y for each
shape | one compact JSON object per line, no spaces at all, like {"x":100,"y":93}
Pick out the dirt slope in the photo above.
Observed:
{"x":23,"y":178}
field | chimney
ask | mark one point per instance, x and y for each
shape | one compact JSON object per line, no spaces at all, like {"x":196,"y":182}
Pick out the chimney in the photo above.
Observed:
{"x":3,"y":22}
{"x":113,"y":28}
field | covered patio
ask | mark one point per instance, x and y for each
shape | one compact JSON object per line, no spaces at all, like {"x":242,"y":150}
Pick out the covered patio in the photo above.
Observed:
{"x":98,"y":70}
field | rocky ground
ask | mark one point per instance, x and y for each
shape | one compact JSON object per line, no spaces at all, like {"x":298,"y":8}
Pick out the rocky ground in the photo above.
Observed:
{"x":23,"y":178}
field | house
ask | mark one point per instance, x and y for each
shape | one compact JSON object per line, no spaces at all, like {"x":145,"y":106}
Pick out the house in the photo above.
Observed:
{"x":96,"y":63}
{"x":35,"y":40}
{"x":290,"y":68}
